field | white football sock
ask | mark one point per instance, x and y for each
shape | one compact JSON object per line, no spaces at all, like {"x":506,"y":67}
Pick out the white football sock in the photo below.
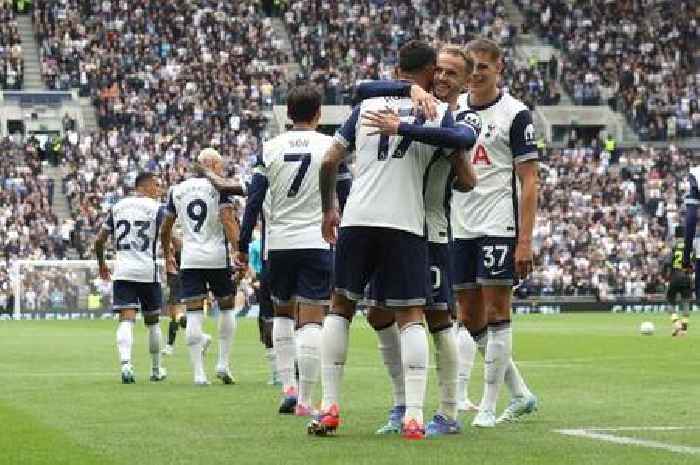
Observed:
{"x":308,"y":343}
{"x":154,"y":341}
{"x":227,"y":326}
{"x":414,"y":357}
{"x":446,"y":358}
{"x":283,"y":342}
{"x":334,"y":352}
{"x":498,"y":351}
{"x":390,"y":348}
{"x":194,"y":339}
{"x":272,"y":361}
{"x":515,"y":382}
{"x":125,"y":340}
{"x":512,"y":378}
{"x":465,"y":362}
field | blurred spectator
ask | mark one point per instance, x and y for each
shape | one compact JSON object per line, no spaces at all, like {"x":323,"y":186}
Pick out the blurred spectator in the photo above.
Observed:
{"x":341,"y":43}
{"x":637,"y":56}
{"x":603,"y":228}
{"x":11,"y":60}
{"x":28,"y":227}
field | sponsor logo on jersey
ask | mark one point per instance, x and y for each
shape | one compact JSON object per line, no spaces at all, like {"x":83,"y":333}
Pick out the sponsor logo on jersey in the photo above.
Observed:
{"x":481,"y":157}
{"x":530,"y":134}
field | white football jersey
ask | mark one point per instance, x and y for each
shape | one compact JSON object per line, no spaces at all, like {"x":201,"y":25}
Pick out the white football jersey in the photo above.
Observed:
{"x":438,"y":190}
{"x":507,"y":138}
{"x":135,"y":226}
{"x":388,"y":184}
{"x":291,"y":164}
{"x":196,"y":204}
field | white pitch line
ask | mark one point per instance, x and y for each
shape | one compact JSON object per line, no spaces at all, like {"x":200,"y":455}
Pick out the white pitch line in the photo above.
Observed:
{"x":643,"y":428}
{"x":627,"y":441}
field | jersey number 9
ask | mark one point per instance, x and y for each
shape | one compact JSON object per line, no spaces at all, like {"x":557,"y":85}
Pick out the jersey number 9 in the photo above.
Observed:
{"x":197,"y":211}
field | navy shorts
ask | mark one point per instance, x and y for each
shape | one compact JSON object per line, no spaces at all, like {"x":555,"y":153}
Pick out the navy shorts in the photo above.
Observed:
{"x":262,"y":294}
{"x":483,"y":261}
{"x":439,"y":284}
{"x":395,"y":261}
{"x":146,"y":297}
{"x":197,"y":282}
{"x":301,"y":275}
{"x":174,"y":288}
{"x":440,"y":277}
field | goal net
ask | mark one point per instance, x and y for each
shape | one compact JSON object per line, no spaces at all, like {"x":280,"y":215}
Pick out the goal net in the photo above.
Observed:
{"x":59,"y":289}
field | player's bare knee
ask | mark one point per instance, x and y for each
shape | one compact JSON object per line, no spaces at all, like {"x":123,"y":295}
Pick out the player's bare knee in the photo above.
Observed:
{"x":310,"y":314}
{"x":409,"y":316}
{"x":285,"y":310}
{"x":497,"y":302}
{"x":438,"y":321}
{"x":127,"y":314}
{"x":380,"y":318}
{"x":227,"y":303}
{"x":342,"y":306}
{"x":194,"y":305}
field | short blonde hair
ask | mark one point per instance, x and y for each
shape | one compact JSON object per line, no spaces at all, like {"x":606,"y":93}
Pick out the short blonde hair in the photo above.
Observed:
{"x":209,"y":155}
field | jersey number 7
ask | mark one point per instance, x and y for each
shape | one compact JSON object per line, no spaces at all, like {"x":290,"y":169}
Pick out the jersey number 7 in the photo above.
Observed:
{"x":305,"y":159}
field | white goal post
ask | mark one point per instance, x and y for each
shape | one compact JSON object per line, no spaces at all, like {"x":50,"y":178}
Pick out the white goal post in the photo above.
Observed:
{"x":51,"y":287}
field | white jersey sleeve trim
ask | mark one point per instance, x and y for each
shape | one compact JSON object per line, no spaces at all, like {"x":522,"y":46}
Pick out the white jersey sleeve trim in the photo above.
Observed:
{"x":341,"y":140}
{"x":689,"y":201}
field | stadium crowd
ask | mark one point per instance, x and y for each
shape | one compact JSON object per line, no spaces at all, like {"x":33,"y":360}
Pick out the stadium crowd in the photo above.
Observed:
{"x":341,"y":43}
{"x":11,"y":60}
{"x":28,"y":227}
{"x":637,"y":56}
{"x":163,"y":91}
{"x":604,"y":224}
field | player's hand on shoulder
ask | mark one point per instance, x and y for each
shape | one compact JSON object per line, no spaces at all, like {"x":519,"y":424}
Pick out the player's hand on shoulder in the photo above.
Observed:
{"x":523,"y":259}
{"x":240,"y":261}
{"x":424,"y":101}
{"x":385,"y":122}
{"x":105,"y":273}
{"x":329,"y":228}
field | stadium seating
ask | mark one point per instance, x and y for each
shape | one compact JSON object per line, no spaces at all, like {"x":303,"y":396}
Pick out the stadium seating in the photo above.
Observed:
{"x":341,"y":43}
{"x":159,"y":102}
{"x":636,"y":56}
{"x":11,"y":61}
{"x":604,"y":223}
{"x":28,"y":227}
{"x":161,"y":91}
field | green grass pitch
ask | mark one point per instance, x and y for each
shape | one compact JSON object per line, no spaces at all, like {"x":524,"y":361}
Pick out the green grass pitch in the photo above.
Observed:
{"x":61,"y":401}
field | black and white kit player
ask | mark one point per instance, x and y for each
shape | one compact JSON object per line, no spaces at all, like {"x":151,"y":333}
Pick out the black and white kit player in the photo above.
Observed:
{"x":382,"y":231}
{"x":134,"y":223}
{"x":209,"y":234}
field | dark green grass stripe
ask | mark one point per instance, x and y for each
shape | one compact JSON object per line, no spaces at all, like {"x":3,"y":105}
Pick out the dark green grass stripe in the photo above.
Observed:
{"x":26,"y":441}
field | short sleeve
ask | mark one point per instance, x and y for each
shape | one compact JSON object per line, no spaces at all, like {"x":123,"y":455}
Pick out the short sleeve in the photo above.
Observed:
{"x":522,"y":137}
{"x":226,"y":200}
{"x":693,"y":197}
{"x":345,"y":136}
{"x":161,"y":213}
{"x":170,"y":206}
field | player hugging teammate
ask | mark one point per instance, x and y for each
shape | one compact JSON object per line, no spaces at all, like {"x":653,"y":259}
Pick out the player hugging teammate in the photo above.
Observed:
{"x":443,"y":201}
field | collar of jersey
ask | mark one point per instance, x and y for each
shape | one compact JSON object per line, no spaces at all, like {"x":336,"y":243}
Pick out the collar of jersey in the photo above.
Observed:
{"x":485,"y":106}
